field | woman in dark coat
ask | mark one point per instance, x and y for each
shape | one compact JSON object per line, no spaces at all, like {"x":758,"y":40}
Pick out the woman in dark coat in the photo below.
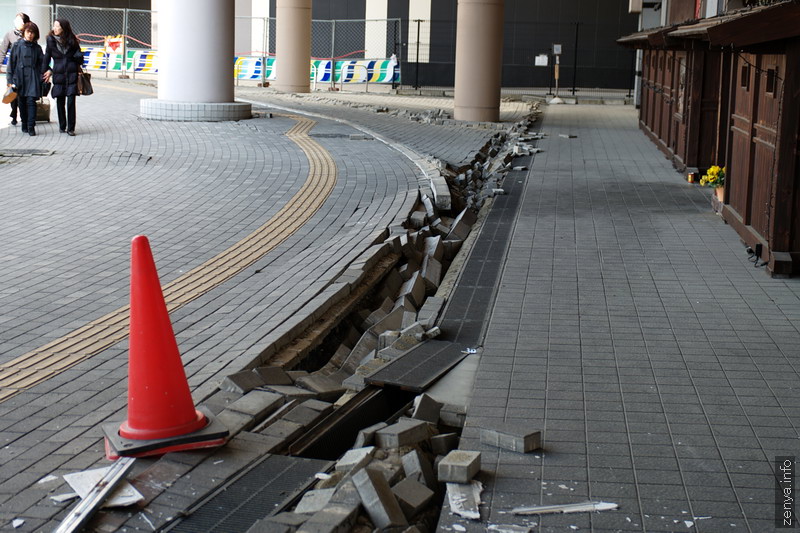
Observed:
{"x":25,"y":67}
{"x":64,"y":51}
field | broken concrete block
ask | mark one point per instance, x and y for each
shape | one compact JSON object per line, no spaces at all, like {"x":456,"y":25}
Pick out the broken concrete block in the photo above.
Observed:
{"x":378,"y":499}
{"x":461,"y":225}
{"x":426,"y":408}
{"x":430,"y":211}
{"x":406,"y":304}
{"x":257,"y":403}
{"x":291,"y":392}
{"x":431,"y":273}
{"x":417,"y":219}
{"x":459,"y":466}
{"x":235,"y":421}
{"x":408,"y":269}
{"x":444,"y":443}
{"x":314,"y":500}
{"x":354,"y":459}
{"x":387,"y":338}
{"x":339,"y":356}
{"x":303,"y":415}
{"x":393,"y":281}
{"x":294,"y":374}
{"x":346,"y":492}
{"x":241,"y":382}
{"x":271,"y":524}
{"x":514,"y":437}
{"x":405,"y":432}
{"x":221,"y":400}
{"x":324,"y":387}
{"x":283,"y":429}
{"x":392,"y":473}
{"x":367,"y":435}
{"x":417,"y":467}
{"x":434,"y":248}
{"x":412,"y":496}
{"x":451,"y":248}
{"x":429,"y":312}
{"x":323,"y":408}
{"x":273,"y":375}
{"x":332,"y":519}
{"x":414,"y":288}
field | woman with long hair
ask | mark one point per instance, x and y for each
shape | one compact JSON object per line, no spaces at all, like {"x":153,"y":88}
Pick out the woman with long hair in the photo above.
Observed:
{"x":25,"y":67}
{"x":65,"y":52}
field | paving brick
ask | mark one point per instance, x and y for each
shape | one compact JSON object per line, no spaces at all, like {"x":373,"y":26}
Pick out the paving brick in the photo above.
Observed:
{"x":241,"y":382}
{"x":412,"y":496}
{"x":293,"y":393}
{"x":426,"y":408}
{"x":336,"y":518}
{"x":444,"y":443}
{"x":414,"y":289}
{"x":355,"y":459}
{"x":515,"y":437}
{"x":257,"y":404}
{"x":273,"y":375}
{"x":235,"y":421}
{"x":405,"y":432}
{"x":459,"y":466}
{"x":378,"y":499}
{"x":303,"y":415}
{"x":417,"y":467}
{"x":366,"y":436}
{"x":324,"y":387}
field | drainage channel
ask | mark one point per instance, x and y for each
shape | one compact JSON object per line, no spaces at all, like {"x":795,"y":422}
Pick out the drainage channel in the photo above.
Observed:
{"x":272,"y":490}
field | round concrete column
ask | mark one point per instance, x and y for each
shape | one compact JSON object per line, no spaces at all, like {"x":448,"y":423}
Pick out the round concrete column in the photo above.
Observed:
{"x":293,"y":46}
{"x":195,"y":63}
{"x":41,"y":13}
{"x":479,"y":60}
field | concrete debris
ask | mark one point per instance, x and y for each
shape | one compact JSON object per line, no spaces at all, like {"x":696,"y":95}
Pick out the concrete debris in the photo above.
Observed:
{"x":17,"y":522}
{"x":465,"y":499}
{"x":585,"y":507}
{"x":61,"y":498}
{"x":459,"y":466}
{"x":84,"y":482}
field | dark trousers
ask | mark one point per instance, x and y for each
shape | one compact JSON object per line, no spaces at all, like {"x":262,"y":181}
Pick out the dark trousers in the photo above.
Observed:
{"x":14,"y":109}
{"x":66,"y":117}
{"x":27,"y":111}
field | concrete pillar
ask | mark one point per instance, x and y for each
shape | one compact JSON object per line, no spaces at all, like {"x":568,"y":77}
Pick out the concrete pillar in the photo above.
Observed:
{"x":293,"y":46}
{"x":479,"y":60}
{"x":195,"y":75}
{"x":41,"y":13}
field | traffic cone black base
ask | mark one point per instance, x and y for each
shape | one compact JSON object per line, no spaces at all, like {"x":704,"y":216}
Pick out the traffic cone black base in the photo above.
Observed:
{"x":213,"y":434}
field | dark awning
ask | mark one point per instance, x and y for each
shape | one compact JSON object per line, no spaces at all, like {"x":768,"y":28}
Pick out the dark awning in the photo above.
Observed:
{"x":759,"y":25}
{"x":698,"y":30}
{"x":638,"y":39}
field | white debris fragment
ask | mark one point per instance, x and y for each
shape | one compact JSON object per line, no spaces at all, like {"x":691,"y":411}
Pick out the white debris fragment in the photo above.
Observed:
{"x":220,"y":461}
{"x":566,"y":508}
{"x":465,"y":499}
{"x":459,"y":527}
{"x":322,"y":476}
{"x":702,"y":517}
{"x":562,"y":486}
{"x":84,"y":482}
{"x":61,"y":498}
{"x":47,"y":479}
{"x":17,"y":522}
{"x":688,"y":523}
{"x":469,"y":351}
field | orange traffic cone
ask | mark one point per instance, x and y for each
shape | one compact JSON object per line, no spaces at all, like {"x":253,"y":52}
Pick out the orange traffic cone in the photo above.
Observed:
{"x":161,"y":414}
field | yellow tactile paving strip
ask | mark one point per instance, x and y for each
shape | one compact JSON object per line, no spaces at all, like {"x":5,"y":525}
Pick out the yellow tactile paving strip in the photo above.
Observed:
{"x":49,"y":360}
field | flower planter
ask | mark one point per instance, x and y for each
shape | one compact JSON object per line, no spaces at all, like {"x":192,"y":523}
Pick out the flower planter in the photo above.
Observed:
{"x":720,"y":192}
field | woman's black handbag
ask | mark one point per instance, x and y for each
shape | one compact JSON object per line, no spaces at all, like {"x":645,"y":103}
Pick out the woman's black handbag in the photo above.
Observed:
{"x":85,"y":83}
{"x":46,"y":85}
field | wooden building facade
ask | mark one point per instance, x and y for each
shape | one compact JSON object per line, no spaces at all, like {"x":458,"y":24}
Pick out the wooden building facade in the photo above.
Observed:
{"x":726,"y":91}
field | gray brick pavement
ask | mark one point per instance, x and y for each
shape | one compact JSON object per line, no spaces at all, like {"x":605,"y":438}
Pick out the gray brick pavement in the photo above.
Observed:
{"x":630,"y":326}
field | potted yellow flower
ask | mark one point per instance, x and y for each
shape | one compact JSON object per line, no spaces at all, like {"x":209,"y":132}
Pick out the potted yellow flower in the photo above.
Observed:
{"x":715,"y":177}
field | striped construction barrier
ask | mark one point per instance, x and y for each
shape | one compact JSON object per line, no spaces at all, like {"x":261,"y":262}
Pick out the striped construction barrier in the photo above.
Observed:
{"x":252,"y":67}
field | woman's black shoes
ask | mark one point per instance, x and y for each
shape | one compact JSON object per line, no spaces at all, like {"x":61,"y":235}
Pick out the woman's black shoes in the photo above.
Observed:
{"x":32,"y":132}
{"x":71,"y":133}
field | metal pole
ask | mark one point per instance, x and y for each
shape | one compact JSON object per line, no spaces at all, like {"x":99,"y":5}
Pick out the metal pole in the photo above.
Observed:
{"x":416,"y":81}
{"x":575,"y":59}
{"x":124,"y":75}
{"x":264,"y":52}
{"x":333,"y":60}
{"x":633,"y":75}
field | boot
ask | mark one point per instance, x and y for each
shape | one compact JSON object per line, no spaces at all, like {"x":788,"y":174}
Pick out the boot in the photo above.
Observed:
{"x":32,"y":131}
